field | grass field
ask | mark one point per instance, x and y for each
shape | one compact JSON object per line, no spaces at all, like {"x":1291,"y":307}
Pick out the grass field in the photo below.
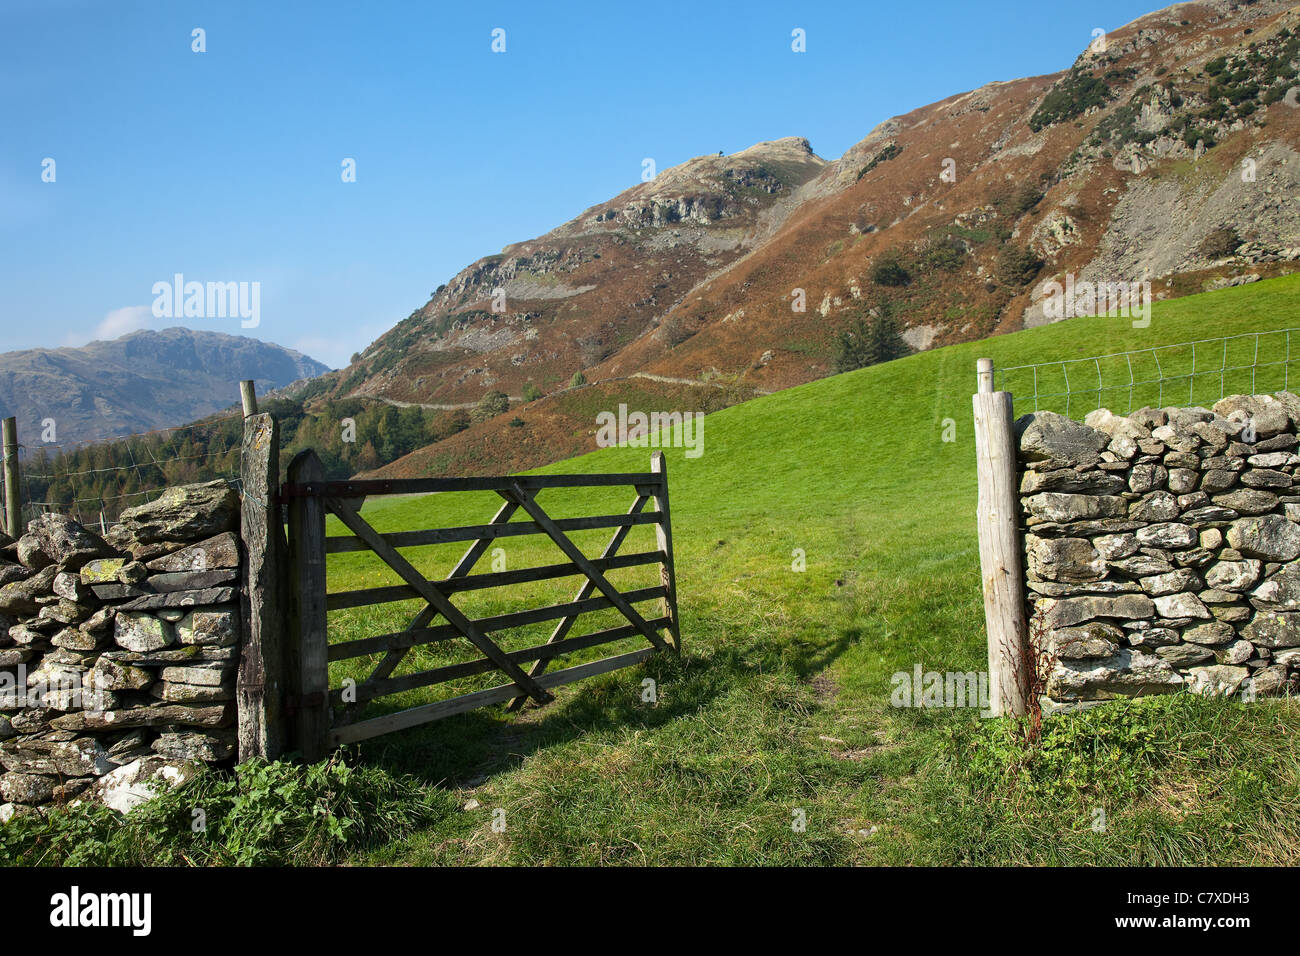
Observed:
{"x":779,"y":709}
{"x":781,"y":701}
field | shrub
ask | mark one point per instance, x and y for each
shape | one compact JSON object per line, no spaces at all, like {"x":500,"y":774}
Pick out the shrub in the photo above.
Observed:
{"x":1220,"y":243}
{"x":1073,"y":95}
{"x":869,"y":341}
{"x":1017,"y":265}
{"x":264,"y":814}
{"x":889,"y":152}
{"x":578,"y":379}
{"x":889,"y":271}
{"x":945,"y":252}
{"x":489,"y":406}
{"x":531,"y":392}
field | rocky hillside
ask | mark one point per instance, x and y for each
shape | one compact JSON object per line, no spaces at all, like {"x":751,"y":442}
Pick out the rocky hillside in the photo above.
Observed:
{"x":141,"y":381}
{"x":1167,"y":154}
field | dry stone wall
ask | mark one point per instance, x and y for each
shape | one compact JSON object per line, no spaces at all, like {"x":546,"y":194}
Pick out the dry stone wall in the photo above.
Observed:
{"x":118,"y":654}
{"x":1161,"y":549}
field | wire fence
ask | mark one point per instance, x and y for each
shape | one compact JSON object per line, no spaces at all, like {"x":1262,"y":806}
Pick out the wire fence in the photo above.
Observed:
{"x":55,"y":477}
{"x":1186,"y":373}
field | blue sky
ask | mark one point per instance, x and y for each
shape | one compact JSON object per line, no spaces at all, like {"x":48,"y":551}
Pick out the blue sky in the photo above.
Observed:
{"x":225,"y":165}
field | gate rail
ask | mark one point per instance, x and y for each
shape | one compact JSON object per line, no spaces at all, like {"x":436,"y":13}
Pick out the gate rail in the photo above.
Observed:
{"x":323,"y":717}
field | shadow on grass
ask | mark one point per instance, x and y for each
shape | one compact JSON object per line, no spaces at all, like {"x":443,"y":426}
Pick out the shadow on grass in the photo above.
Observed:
{"x":468,"y":749}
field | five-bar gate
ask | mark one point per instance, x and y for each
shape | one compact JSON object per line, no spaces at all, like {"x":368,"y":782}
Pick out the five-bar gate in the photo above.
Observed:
{"x":322,"y":717}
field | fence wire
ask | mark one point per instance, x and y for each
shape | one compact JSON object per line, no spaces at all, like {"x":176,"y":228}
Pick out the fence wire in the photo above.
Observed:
{"x":92,"y":510}
{"x":1199,"y":372}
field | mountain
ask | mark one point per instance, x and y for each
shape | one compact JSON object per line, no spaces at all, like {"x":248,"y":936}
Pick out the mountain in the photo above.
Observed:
{"x":1167,"y":152}
{"x":141,"y":381}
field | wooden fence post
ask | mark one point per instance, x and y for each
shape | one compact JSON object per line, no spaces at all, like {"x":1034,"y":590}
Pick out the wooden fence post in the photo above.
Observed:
{"x":664,"y":537}
{"x":263,"y":597}
{"x":248,"y":396}
{"x":1000,"y":547}
{"x":13,"y":501}
{"x":307,"y":646}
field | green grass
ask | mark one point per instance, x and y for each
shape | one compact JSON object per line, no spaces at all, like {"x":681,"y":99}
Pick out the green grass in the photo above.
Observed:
{"x":780,"y":703}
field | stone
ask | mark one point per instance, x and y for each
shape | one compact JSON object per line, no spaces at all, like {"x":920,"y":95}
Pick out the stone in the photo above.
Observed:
{"x":1064,"y":559}
{"x":114,"y":676}
{"x":1267,"y":414}
{"x":1149,"y":417}
{"x":67,"y":541}
{"x":1047,"y":435}
{"x":82,"y":757}
{"x":1211,"y":539}
{"x":1269,"y":536}
{"x":185,"y":513}
{"x":1172,"y":582}
{"x":133,"y":573}
{"x":1061,"y":507}
{"x":9,"y":573}
{"x":209,"y":748}
{"x":132,"y":784}
{"x":1157,"y":506}
{"x":174,"y":692}
{"x":215,"y":553}
{"x":75,"y":639}
{"x":1214,"y":634}
{"x":1267,"y":629}
{"x":1289,"y":658}
{"x":1238,"y":652}
{"x":1216,"y":680}
{"x":1185,"y":655}
{"x":1066,"y":612}
{"x":30,"y":553}
{"x":99,"y":622}
{"x":1170,"y":535}
{"x":168,"y":581}
{"x":1199,"y":517}
{"x":181,"y":599}
{"x":69,"y":587}
{"x":1094,"y":640}
{"x":1116,"y":426}
{"x":1281,"y":592}
{"x":20,"y":597}
{"x":1182,"y":480}
{"x":27,"y":788}
{"x":116,"y":592}
{"x":1153,"y":637}
{"x":1180,"y":606}
{"x":206,"y":676}
{"x":1216,"y":481}
{"x":1232,"y":614}
{"x":1269,"y":681}
{"x":142,"y":632}
{"x":1114,"y":546}
{"x":1277,"y":459}
{"x":1142,"y":565}
{"x":214,"y":627}
{"x":1265,"y":478}
{"x":212,"y":715}
{"x":1144,"y":478}
{"x":1127,"y":674}
{"x":1234,"y":575}
{"x":1247,"y":501}
{"x":101,"y":570}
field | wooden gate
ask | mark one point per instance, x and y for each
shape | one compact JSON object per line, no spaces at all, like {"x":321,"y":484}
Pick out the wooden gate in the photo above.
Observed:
{"x":322,"y":717}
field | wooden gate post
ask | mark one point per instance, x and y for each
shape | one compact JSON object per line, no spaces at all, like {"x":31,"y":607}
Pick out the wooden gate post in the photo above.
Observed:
{"x":1000,"y":547}
{"x":307,"y":646}
{"x":664,"y":538}
{"x":263,"y":597}
{"x":13,"y":502}
{"x":248,"y":397}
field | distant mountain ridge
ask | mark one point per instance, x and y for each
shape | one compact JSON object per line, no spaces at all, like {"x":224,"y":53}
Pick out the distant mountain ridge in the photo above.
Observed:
{"x":141,"y":381}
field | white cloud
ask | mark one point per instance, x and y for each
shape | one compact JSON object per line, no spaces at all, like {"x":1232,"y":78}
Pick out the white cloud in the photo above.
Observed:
{"x":121,"y":321}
